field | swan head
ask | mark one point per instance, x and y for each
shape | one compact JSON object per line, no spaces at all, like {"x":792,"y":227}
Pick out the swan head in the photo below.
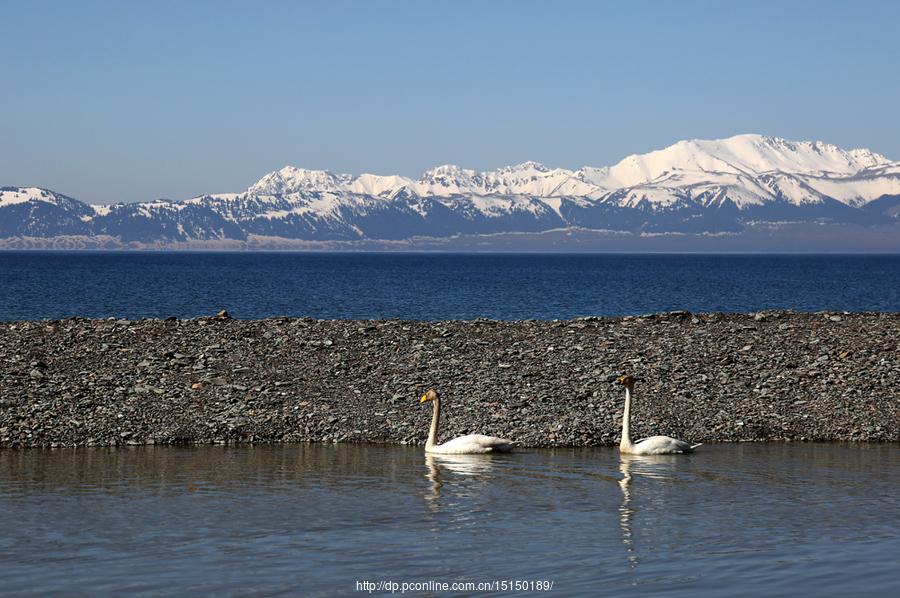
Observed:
{"x":627,"y":381}
{"x":431,"y":395}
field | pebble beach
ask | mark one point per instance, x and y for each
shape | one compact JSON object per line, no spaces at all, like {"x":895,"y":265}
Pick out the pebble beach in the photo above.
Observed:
{"x":768,"y":376}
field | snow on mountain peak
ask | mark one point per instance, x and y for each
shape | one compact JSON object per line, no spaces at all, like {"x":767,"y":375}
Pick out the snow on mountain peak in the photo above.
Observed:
{"x":526,"y":167}
{"x":447,"y":171}
{"x":291,"y":179}
{"x":720,"y":168}
{"x":15,"y":195}
{"x":448,"y":179}
{"x":759,"y":154}
{"x":383,"y":186}
{"x":748,"y":154}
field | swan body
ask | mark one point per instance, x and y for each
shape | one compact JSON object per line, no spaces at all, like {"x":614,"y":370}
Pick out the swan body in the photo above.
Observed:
{"x":470,"y":444}
{"x":654,"y":445}
{"x":658,"y":445}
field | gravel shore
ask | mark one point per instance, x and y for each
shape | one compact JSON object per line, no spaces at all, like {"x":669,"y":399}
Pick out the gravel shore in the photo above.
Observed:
{"x":706,"y":377}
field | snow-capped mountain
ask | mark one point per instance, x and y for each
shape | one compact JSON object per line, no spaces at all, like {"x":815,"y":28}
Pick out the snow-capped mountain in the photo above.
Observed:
{"x":41,"y":213}
{"x":696,"y":186}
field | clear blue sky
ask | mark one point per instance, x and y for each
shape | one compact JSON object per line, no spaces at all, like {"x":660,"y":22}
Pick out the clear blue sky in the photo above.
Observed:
{"x":127,"y":101}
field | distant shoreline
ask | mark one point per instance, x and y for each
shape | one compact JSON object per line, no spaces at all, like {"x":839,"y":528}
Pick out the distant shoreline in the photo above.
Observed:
{"x":376,"y":251}
{"x":707,"y":377}
{"x":760,"y":237}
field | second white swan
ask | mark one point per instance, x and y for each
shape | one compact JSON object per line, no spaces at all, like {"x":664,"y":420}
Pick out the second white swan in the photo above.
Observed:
{"x":654,"y":445}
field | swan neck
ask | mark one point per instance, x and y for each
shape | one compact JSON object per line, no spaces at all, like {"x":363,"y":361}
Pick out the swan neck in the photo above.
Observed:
{"x":626,"y":421}
{"x":432,"y":433}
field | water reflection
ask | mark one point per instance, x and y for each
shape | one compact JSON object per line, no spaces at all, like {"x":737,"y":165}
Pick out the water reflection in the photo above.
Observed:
{"x":626,"y":512}
{"x":439,"y":466}
{"x":434,"y":474}
{"x":664,"y":472}
{"x":467,"y":465}
{"x":786,"y":518}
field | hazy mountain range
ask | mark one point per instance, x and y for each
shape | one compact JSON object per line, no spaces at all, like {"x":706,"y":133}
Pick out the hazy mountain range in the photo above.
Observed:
{"x":715,"y":192}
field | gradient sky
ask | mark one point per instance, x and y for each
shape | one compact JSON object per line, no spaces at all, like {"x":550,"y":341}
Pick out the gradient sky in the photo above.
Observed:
{"x":128,"y":101}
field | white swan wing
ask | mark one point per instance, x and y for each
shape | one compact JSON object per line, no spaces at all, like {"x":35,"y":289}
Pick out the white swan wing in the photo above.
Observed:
{"x":474,"y":444}
{"x":661,"y":445}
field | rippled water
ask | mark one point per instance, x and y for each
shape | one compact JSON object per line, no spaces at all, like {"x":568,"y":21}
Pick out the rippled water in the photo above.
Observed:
{"x":435,"y":286}
{"x":312,"y":520}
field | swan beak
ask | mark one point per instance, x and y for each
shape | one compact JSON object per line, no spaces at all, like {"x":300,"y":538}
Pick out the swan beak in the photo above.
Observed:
{"x":423,"y":399}
{"x":626,"y":380}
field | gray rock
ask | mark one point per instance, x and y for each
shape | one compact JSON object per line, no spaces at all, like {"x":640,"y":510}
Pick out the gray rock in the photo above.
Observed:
{"x":785,"y":376}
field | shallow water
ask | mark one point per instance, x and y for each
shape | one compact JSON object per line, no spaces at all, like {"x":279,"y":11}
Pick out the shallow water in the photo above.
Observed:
{"x":313,"y":520}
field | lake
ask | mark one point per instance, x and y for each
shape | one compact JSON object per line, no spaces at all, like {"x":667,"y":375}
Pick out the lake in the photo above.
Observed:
{"x":316,"y":520}
{"x":418,"y":286}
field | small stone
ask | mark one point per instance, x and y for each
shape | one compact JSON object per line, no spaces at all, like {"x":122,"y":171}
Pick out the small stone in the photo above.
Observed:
{"x":197,"y":386}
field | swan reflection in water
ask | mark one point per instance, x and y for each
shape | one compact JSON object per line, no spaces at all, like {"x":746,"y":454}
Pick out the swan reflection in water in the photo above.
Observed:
{"x":439,"y":466}
{"x":626,"y":512}
{"x":654,"y":467}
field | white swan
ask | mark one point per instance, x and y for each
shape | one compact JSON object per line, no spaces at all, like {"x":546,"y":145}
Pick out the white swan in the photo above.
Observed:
{"x":654,"y":445}
{"x":464,"y":445}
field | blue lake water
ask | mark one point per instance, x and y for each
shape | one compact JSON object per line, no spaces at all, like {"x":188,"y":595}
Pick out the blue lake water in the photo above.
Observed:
{"x":36,"y":285}
{"x":314,"y":520}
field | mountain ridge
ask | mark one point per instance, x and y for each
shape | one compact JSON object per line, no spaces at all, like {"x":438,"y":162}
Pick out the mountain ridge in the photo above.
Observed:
{"x":746,"y":154}
{"x":690,"y":187}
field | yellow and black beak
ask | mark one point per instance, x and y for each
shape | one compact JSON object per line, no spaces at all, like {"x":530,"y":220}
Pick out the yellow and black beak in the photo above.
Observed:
{"x":423,"y":399}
